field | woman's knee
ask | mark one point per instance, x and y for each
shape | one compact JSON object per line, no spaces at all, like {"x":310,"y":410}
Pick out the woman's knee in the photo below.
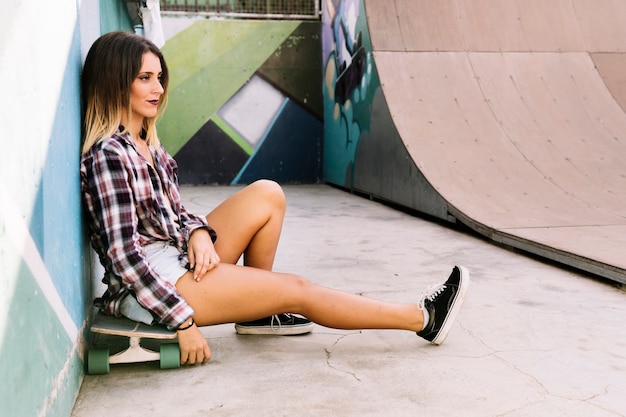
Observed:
{"x":301,"y":290}
{"x":271,"y":192}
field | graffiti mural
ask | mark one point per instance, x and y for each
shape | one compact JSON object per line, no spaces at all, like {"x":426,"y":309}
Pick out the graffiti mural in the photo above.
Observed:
{"x":350,"y":84}
{"x":363,"y":150}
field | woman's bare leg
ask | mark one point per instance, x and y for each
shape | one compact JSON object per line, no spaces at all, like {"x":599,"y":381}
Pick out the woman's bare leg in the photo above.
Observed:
{"x":249,"y":223}
{"x":231,"y":293}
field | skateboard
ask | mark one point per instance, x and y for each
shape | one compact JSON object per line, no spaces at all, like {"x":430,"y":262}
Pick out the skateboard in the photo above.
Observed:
{"x":99,"y":359}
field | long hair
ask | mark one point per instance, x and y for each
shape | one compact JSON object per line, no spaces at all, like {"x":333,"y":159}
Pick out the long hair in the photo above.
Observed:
{"x":112,"y":64}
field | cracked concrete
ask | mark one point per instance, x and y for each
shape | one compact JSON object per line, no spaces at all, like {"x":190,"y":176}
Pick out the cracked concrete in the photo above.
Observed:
{"x":533,"y":339}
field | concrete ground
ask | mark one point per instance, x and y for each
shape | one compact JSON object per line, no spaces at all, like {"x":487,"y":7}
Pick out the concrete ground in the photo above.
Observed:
{"x":532,"y":339}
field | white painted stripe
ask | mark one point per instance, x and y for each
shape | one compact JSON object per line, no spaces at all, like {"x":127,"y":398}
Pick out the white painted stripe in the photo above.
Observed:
{"x":18,"y":234}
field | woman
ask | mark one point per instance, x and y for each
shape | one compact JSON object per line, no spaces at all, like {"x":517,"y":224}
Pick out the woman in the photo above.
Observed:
{"x":171,"y":261}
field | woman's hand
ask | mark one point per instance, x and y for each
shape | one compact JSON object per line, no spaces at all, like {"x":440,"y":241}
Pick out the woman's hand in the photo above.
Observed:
{"x":201,"y":252}
{"x":194,"y":348}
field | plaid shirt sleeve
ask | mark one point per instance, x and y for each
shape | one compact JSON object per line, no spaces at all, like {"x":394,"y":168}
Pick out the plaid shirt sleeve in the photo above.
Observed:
{"x":110,"y":184}
{"x":190,"y":222}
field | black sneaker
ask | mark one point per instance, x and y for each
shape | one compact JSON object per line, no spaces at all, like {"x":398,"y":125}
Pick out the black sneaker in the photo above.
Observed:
{"x":279,"y":324}
{"x":443,"y":303}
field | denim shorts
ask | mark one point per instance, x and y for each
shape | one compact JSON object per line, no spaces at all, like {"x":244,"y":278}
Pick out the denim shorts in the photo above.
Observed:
{"x":163,"y":258}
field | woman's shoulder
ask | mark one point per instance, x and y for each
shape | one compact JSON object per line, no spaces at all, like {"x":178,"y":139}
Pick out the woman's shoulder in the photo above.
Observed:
{"x":115,"y":144}
{"x":114,"y":147}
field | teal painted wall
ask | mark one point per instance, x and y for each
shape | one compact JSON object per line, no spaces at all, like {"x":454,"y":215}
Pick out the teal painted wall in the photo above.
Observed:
{"x":45,"y":263}
{"x":43,"y":292}
{"x":45,"y":283}
{"x":114,"y":15}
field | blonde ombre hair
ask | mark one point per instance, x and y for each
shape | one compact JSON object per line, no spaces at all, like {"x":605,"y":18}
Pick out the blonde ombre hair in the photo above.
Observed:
{"x":112,"y":64}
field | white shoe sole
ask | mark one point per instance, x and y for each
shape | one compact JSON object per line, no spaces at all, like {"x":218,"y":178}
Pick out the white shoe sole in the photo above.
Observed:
{"x":274,"y":331}
{"x":456,"y":306}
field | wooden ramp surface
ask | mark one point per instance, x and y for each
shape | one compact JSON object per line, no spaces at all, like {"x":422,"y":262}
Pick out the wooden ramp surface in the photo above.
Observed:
{"x":514,"y":112}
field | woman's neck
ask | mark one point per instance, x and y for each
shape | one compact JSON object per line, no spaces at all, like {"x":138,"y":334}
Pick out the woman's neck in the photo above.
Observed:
{"x":135,"y":127}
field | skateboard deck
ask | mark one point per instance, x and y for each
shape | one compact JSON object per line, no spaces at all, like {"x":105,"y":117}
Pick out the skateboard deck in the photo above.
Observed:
{"x":99,"y":359}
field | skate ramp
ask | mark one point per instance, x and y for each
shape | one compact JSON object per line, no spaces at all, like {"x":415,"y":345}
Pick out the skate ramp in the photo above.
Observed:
{"x":514,"y":113}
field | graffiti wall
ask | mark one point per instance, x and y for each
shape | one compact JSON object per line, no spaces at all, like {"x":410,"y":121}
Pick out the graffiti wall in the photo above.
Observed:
{"x":350,"y":83}
{"x":362,"y":148}
{"x":245,"y":100}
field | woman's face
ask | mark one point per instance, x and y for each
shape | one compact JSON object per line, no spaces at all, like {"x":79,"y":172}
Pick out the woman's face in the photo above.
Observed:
{"x":146,"y":89}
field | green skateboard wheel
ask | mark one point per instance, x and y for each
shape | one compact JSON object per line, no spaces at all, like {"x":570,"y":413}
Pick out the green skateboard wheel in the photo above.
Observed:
{"x":170,"y":356}
{"x":98,"y":361}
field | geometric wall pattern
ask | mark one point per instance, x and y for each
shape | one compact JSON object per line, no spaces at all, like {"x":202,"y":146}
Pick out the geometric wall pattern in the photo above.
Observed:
{"x":245,"y":102}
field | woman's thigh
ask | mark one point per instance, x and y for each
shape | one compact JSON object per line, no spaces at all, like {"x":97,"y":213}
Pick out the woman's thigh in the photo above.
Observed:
{"x":238,"y":219}
{"x":233,"y":293}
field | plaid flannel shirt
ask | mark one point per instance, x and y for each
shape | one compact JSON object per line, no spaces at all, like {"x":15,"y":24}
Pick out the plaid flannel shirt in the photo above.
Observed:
{"x":124,"y":199}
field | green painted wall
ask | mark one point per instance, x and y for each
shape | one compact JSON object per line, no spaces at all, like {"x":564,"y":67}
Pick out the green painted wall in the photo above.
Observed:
{"x":224,"y":56}
{"x":245,"y":100}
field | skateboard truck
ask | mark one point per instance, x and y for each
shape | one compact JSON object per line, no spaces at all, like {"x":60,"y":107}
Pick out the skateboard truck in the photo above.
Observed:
{"x":99,"y":359}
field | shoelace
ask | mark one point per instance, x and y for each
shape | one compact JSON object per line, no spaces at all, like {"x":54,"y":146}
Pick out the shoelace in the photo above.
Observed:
{"x":431,"y":293}
{"x":275,"y":318}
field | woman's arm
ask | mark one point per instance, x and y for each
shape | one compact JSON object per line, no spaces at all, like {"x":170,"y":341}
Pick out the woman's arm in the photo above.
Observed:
{"x":189,"y":222}
{"x":110,"y":179}
{"x":199,"y":236}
